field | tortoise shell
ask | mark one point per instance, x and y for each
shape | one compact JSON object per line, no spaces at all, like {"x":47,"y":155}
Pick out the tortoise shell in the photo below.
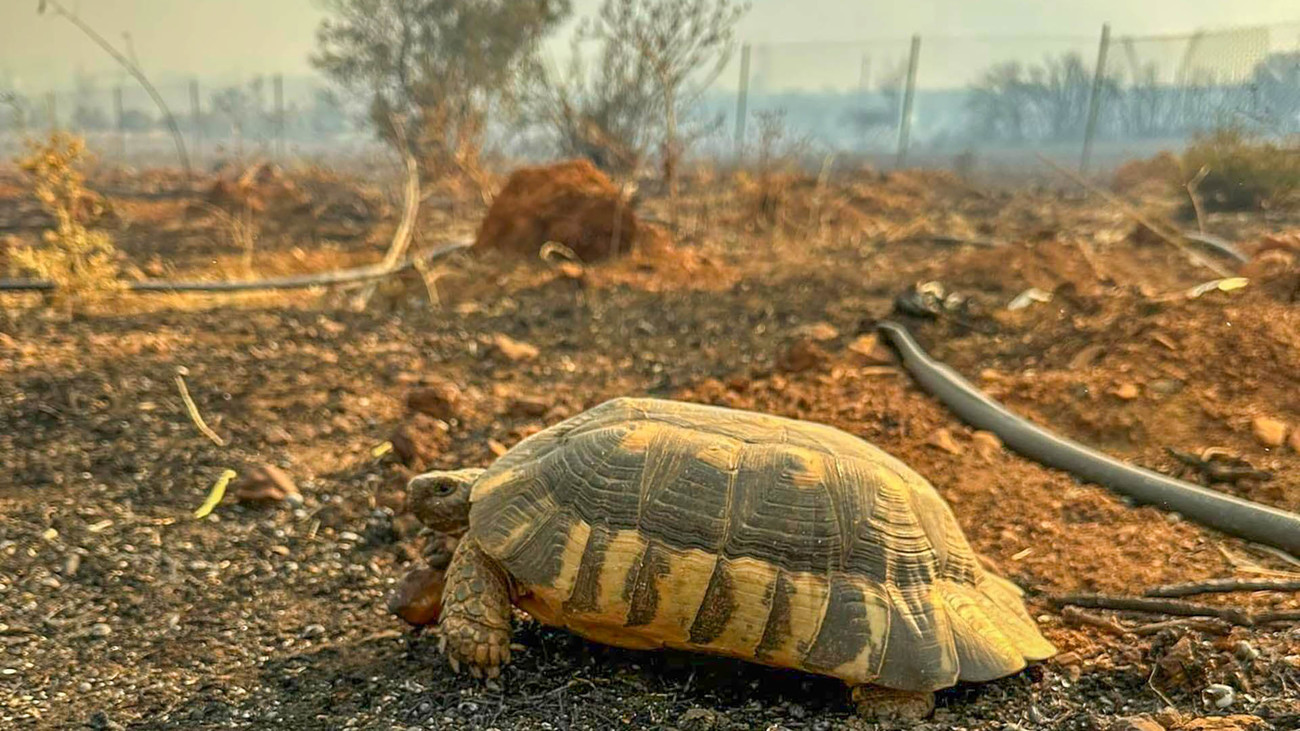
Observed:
{"x":645,"y":523}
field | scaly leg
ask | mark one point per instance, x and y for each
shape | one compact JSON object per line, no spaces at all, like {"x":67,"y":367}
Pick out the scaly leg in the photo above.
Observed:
{"x":886,"y":704}
{"x":475,"y":613}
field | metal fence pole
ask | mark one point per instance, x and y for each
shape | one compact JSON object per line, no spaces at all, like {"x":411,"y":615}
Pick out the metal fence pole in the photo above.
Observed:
{"x":277,"y":85}
{"x":909,"y":98}
{"x":196,"y":121}
{"x":119,"y":116}
{"x":742,"y":103}
{"x":1094,"y":99}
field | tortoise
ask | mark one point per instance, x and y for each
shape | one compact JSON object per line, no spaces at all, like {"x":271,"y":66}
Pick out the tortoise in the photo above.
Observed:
{"x":644,"y":524}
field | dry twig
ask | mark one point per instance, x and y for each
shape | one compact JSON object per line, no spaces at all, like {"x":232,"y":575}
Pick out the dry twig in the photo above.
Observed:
{"x":195,"y":416}
{"x":1173,"y":238}
{"x":1191,"y":186}
{"x":1223,"y":586}
{"x":1175,"y":608}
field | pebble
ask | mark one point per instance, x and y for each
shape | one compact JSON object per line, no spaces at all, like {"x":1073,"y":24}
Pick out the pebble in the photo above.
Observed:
{"x":313,"y":630}
{"x":99,"y":629}
{"x":1136,"y":723}
{"x":1219,"y":695}
{"x":698,"y":719}
{"x":1269,"y":432}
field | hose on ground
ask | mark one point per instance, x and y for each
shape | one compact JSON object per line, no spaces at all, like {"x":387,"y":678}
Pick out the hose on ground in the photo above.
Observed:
{"x":1232,"y":515}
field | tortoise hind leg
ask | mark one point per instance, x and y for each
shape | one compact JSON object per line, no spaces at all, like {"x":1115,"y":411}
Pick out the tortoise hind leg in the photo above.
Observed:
{"x":475,"y":623}
{"x":886,"y":704}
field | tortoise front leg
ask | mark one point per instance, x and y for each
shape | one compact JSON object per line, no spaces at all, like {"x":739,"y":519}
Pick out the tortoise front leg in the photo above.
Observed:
{"x":886,"y":704}
{"x":475,"y":613}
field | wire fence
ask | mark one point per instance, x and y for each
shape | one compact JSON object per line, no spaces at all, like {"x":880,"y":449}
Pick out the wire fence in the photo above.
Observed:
{"x":971,"y":104}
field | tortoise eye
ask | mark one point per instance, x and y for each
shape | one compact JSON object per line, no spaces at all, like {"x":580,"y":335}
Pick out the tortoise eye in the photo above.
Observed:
{"x":444,"y":489}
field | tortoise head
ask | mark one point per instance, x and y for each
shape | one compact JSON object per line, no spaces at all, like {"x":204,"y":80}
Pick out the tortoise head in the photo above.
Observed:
{"x":440,"y":499}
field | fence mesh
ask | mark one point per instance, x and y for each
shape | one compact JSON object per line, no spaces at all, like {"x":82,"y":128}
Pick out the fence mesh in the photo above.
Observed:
{"x":976,"y":103}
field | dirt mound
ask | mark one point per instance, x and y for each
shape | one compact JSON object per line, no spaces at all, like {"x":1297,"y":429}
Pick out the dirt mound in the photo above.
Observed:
{"x":1154,"y":174}
{"x":571,"y":202}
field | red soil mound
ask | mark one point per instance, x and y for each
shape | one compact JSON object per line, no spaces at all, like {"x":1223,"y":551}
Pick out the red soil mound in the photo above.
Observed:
{"x":571,"y":203}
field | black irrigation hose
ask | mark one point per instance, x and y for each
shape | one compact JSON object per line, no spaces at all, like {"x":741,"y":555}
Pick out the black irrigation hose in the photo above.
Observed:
{"x":1218,"y":246}
{"x":301,"y":281}
{"x":1232,"y":515}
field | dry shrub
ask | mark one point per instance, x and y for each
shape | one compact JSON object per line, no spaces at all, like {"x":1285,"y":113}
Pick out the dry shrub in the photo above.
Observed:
{"x":1243,"y":172}
{"x":82,"y":263}
{"x":570,"y":202}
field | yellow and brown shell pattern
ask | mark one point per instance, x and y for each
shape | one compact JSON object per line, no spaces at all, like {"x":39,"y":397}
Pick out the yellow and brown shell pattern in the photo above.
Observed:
{"x":646,"y":523}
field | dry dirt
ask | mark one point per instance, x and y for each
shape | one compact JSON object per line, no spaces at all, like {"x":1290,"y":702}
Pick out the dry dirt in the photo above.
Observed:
{"x":122,"y":610}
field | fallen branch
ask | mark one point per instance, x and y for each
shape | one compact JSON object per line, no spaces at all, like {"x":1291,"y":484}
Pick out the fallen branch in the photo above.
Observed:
{"x":1112,"y":626}
{"x":410,"y":210}
{"x":195,"y":416}
{"x":1175,"y":608}
{"x":303,"y":281}
{"x":1224,"y":586}
{"x":1173,"y":238}
{"x":1232,"y":515}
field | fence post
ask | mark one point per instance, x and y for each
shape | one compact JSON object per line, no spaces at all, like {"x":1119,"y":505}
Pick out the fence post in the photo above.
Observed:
{"x":277,"y":84}
{"x":742,"y":103}
{"x":196,"y":121}
{"x":909,"y":98}
{"x":119,"y":116}
{"x":52,"y":111}
{"x":1094,"y":99}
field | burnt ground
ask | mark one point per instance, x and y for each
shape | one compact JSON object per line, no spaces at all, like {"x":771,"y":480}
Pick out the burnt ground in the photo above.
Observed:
{"x":122,"y":610}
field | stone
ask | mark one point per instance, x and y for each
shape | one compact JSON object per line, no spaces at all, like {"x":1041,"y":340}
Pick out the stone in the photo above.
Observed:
{"x":267,"y":483}
{"x":1126,"y":391}
{"x":868,"y":350}
{"x":513,"y":350}
{"x":698,"y":719}
{"x":819,"y":332}
{"x":1226,"y":723}
{"x":438,"y":399}
{"x":1270,"y":432}
{"x":987,"y":445}
{"x":1143,"y":722}
{"x":942,"y":439}
{"x":801,"y":355}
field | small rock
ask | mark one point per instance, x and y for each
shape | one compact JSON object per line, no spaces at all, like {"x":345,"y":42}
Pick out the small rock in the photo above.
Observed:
{"x":1126,"y":391}
{"x":514,"y":350}
{"x":868,"y":350}
{"x":418,"y":596}
{"x":99,"y":629}
{"x":1143,"y":722}
{"x":419,"y":439}
{"x":698,"y":719}
{"x":278,"y":435}
{"x":1169,"y":717}
{"x":313,"y":630}
{"x":1226,"y":723}
{"x":529,"y":406}
{"x":101,"y":722}
{"x":1218,"y":695}
{"x":1244,"y":651}
{"x":987,"y":445}
{"x":819,"y":332}
{"x":801,"y":355}
{"x":942,"y":439}
{"x":1269,"y":432}
{"x":267,"y":484}
{"x":438,"y":399}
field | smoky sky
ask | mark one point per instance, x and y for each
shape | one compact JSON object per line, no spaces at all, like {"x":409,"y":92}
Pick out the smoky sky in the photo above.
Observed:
{"x":231,"y":39}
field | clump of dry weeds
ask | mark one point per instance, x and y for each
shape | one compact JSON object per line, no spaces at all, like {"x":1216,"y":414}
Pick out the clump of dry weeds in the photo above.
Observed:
{"x":81,"y":263}
{"x":1240,"y":172}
